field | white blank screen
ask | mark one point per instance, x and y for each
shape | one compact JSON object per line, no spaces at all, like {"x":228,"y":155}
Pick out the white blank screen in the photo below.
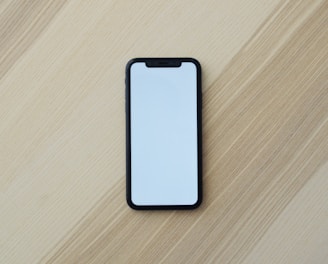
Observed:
{"x":163,"y":114}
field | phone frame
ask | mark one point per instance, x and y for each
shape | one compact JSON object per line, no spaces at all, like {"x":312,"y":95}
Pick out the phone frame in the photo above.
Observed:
{"x":162,"y":62}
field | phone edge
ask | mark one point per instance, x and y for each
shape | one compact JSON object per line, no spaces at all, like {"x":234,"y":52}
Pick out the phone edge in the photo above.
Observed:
{"x":128,"y":136}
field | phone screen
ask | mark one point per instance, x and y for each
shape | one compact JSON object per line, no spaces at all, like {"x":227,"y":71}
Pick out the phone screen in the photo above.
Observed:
{"x":164,"y":135}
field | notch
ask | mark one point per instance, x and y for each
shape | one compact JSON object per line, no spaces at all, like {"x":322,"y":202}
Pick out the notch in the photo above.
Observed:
{"x":163,"y":63}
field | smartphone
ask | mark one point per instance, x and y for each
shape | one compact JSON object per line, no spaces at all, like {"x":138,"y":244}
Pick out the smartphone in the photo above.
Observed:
{"x":163,"y":133}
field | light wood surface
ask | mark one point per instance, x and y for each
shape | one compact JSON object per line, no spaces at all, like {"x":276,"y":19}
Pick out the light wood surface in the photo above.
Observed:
{"x":62,"y":131}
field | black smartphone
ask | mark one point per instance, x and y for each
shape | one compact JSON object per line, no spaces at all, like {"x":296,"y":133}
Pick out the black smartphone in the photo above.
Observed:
{"x":163,"y":133}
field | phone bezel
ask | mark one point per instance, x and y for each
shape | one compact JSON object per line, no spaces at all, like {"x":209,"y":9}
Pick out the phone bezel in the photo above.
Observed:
{"x":162,"y":62}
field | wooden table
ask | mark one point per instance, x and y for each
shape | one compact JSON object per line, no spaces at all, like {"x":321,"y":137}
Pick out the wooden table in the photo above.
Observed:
{"x":62,"y":131}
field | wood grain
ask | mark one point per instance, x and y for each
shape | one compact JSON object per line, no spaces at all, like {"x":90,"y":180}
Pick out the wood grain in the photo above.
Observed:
{"x":265,"y":131}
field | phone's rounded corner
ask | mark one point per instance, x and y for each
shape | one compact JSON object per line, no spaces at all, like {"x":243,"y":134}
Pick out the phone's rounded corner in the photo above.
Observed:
{"x":194,"y":61}
{"x":130,"y":63}
{"x":131,"y":204}
{"x":197,"y":203}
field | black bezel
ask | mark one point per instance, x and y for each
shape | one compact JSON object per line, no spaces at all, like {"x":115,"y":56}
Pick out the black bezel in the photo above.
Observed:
{"x":162,"y":62}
